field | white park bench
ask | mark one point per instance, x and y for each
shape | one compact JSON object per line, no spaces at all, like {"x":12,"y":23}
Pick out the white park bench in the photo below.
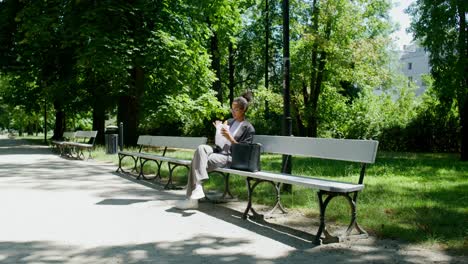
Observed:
{"x":60,"y":145}
{"x":360,"y":151}
{"x":164,"y":143}
{"x":83,"y":140}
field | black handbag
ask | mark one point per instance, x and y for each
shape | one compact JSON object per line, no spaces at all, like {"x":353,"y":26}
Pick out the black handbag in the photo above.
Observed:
{"x":246,"y":156}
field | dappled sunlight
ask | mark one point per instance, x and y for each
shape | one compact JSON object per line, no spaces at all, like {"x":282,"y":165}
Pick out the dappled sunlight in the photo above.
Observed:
{"x":112,"y":217}
{"x":204,"y":248}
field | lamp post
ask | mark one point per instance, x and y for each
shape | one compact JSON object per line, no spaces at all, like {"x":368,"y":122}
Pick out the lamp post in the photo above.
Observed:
{"x":287,"y":121}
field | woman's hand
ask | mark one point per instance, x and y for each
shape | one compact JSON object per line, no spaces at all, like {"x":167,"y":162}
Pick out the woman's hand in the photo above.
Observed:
{"x":225,"y":132}
{"x":216,"y":123}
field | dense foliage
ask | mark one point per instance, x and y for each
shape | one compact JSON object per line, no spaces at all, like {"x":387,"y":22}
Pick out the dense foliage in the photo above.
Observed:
{"x":441,"y":26}
{"x":172,"y":67}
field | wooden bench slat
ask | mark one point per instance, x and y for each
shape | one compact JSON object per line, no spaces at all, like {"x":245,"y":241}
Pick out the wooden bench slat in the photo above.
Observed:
{"x":82,"y":145}
{"x":85,"y":134}
{"x":127,"y":153}
{"x":314,"y":183}
{"x":177,"y":142}
{"x":362,"y":151}
{"x":353,"y":150}
{"x":67,"y":137}
{"x":144,"y":140}
{"x":161,"y":142}
{"x":69,"y":134}
{"x":163,"y":158}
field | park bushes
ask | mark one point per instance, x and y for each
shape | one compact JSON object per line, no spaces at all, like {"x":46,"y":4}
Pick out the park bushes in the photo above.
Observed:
{"x":400,"y":121}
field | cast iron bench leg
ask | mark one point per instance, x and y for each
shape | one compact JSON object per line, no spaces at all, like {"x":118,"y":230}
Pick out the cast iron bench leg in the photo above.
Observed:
{"x":170,"y":185}
{"x":250,"y":189}
{"x":121,"y":157}
{"x":328,"y":238}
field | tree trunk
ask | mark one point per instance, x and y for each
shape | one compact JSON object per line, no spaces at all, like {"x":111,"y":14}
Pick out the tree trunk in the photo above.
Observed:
{"x":126,"y":115}
{"x":301,"y":129}
{"x":316,"y":87}
{"x":287,"y":122}
{"x":30,"y":128}
{"x":311,"y":130}
{"x":463,"y":69}
{"x":267,"y":46}
{"x":99,"y":119}
{"x":45,"y":121}
{"x":129,"y":107}
{"x":231,"y":73}
{"x":313,"y":118}
{"x":464,"y":130}
{"x":59,"y":122}
{"x":267,"y":55}
{"x":216,"y":66}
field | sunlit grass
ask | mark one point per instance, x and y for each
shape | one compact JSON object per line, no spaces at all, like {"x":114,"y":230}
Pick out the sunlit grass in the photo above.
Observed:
{"x":418,"y":197}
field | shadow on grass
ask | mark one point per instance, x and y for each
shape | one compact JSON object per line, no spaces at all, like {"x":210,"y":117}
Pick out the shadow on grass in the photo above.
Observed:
{"x":437,"y":215}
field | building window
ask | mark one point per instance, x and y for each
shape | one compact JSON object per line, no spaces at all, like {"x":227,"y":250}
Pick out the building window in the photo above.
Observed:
{"x":410,"y":65}
{"x":410,"y":80}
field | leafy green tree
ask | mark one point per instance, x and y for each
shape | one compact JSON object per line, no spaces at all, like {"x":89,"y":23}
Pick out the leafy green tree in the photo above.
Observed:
{"x":440,"y":25}
{"x":223,"y":19}
{"x":43,"y":69}
{"x":249,"y":58}
{"x":91,"y":55}
{"x":8,"y":29}
{"x":332,"y":53}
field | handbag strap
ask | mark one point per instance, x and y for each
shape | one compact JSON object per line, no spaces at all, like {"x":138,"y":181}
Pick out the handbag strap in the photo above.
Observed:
{"x":237,"y":129}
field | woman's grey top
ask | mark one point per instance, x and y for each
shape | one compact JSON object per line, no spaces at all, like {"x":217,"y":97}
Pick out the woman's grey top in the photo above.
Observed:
{"x":244,"y":134}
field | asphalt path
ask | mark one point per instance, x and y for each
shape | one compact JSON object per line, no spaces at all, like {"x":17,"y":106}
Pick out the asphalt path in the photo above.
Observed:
{"x":59,"y":210}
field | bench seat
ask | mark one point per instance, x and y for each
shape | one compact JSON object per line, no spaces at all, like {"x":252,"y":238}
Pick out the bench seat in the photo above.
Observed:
{"x":348,"y":150}
{"x":164,"y":142}
{"x":78,"y":147}
{"x":61,"y":144}
{"x":163,"y":158}
{"x":313,"y":183}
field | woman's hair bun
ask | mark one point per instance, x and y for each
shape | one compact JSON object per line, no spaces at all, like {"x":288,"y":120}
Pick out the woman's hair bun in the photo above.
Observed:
{"x":248,"y":96}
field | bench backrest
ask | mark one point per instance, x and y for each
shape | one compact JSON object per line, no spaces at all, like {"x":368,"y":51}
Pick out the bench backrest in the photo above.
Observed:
{"x":69,"y":135}
{"x":85,"y":134}
{"x":354,"y":150}
{"x":81,"y":134}
{"x":171,"y":142}
{"x":144,"y":140}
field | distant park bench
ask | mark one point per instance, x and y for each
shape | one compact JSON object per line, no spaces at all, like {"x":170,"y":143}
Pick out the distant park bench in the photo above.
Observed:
{"x":360,"y":151}
{"x":60,"y":145}
{"x":165,"y":143}
{"x":76,"y":142}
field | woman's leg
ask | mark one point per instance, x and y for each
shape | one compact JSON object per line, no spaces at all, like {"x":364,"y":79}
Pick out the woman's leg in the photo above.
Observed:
{"x":204,"y":160}
{"x":197,"y":171}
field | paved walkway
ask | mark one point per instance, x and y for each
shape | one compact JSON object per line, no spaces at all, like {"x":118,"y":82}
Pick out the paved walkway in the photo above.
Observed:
{"x":55,"y":210}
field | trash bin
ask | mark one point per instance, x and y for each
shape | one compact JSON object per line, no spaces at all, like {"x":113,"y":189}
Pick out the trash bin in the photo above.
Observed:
{"x":111,"y":139}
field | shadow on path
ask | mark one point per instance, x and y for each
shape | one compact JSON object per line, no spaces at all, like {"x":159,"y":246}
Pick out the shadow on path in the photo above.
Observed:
{"x":64,"y":175}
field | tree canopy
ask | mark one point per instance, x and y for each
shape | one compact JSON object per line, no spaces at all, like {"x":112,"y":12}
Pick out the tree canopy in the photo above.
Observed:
{"x":166,"y":67}
{"x":441,"y":27}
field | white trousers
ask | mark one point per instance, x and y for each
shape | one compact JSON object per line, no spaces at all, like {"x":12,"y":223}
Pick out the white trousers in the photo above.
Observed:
{"x":204,"y":160}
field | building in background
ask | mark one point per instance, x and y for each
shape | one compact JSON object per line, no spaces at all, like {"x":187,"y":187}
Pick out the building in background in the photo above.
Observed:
{"x":414,"y":62}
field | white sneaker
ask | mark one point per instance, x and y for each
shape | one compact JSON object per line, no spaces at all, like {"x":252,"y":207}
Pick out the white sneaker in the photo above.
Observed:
{"x":197,"y":193}
{"x":187,"y":204}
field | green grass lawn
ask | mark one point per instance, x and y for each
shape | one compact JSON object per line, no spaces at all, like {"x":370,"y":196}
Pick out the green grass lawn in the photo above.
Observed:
{"x":417,"y":197}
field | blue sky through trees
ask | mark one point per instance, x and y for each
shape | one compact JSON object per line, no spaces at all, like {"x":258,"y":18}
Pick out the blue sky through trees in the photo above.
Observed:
{"x":397,"y":14}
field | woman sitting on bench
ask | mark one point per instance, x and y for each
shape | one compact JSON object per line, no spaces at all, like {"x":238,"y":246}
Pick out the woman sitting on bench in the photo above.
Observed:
{"x":206,"y":158}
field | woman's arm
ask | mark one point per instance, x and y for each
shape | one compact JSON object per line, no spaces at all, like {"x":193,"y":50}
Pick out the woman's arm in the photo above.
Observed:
{"x":247,"y":134}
